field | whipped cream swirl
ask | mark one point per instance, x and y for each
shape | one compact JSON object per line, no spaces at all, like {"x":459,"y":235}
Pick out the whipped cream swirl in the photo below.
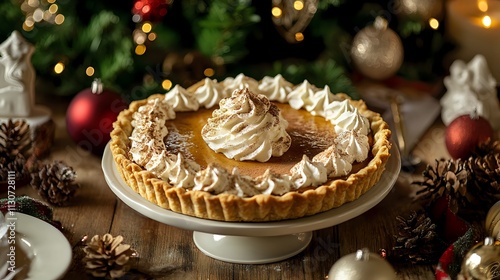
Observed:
{"x":275,"y":88}
{"x":175,"y":169}
{"x":160,"y":164}
{"x":183,"y":172}
{"x":308,"y":173}
{"x":182,"y":100}
{"x":247,"y":126}
{"x":210,"y":93}
{"x":354,"y":144}
{"x":239,"y":82}
{"x":243,"y":185}
{"x":336,"y":162}
{"x":213,"y":179}
{"x":346,"y":117}
{"x":301,"y":96}
{"x":352,"y":121}
{"x":319,"y":101}
{"x":271,"y":183}
{"x":149,"y":129}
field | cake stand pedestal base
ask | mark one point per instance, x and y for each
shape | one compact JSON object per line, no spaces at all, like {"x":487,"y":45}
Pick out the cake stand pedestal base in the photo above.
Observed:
{"x":251,"y":249}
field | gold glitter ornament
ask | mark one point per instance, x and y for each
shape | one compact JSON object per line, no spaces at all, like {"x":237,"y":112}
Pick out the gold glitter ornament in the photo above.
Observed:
{"x":482,"y":262}
{"x":492,"y":222}
{"x":377,"y":51}
{"x":362,"y":265}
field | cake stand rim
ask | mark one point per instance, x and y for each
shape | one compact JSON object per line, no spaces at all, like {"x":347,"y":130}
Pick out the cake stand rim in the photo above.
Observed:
{"x":318,"y":221}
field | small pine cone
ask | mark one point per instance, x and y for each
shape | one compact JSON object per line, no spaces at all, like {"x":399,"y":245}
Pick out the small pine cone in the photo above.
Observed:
{"x":447,"y":178}
{"x":417,"y":241}
{"x":16,"y":164}
{"x":15,"y":138}
{"x":487,"y":147}
{"x":485,"y":183}
{"x":55,"y":182}
{"x":107,"y":257}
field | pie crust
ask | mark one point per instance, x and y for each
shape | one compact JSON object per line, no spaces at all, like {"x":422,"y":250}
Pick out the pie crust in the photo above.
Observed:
{"x":258,"y":208}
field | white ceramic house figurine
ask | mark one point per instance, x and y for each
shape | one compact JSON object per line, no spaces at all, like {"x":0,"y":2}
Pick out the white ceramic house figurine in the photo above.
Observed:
{"x":17,"y":92}
{"x":17,"y":77}
{"x":470,"y":88}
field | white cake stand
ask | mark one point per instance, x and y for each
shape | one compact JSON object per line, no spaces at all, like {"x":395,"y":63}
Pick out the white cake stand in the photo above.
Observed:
{"x":246,"y":242}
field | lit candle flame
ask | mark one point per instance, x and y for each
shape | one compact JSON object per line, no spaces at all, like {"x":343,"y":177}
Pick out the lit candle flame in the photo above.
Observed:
{"x":486,"y":21}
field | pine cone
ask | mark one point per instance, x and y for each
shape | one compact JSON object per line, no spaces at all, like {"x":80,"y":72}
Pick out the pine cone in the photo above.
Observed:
{"x":55,"y":182}
{"x":447,"y":178}
{"x":15,"y":138}
{"x":107,"y":257}
{"x":487,"y":147}
{"x":417,"y":241}
{"x":16,"y":164}
{"x":485,"y":183}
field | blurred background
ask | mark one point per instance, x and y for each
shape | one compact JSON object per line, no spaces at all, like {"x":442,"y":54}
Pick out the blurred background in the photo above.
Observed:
{"x":140,"y":47}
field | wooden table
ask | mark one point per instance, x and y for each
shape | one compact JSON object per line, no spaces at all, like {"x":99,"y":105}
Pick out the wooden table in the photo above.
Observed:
{"x":167,"y":252}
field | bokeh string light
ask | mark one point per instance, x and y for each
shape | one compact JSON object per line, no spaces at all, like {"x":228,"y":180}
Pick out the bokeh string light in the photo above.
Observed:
{"x":483,"y":6}
{"x":291,"y":17}
{"x":38,"y":11}
{"x":145,"y":13}
{"x":42,"y":11}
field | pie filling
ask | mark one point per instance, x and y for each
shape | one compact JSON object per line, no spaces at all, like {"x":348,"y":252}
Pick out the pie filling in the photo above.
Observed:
{"x":298,"y":148}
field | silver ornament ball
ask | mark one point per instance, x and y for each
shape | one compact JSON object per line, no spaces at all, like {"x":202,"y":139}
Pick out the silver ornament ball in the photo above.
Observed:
{"x":377,"y":51}
{"x":362,"y":265}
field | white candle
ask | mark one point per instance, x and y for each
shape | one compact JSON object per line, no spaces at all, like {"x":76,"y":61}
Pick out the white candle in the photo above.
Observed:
{"x":465,"y":26}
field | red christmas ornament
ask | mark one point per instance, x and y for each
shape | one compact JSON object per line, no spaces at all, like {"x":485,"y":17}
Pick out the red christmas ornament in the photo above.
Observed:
{"x":150,"y":10}
{"x":90,"y":117}
{"x":464,"y":134}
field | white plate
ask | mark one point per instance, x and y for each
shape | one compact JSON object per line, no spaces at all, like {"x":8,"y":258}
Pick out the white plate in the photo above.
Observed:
{"x":248,"y":242}
{"x":318,"y":221}
{"x":49,"y":249}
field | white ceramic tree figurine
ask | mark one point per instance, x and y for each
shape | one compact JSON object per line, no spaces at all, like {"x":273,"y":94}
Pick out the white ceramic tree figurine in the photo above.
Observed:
{"x":17,"y":92}
{"x":17,"y":77}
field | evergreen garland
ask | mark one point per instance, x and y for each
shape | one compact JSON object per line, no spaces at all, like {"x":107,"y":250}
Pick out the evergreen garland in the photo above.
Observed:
{"x":238,"y":36}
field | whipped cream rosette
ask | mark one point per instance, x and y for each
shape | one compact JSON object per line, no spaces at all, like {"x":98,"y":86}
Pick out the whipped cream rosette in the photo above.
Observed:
{"x":247,"y":126}
{"x":346,"y":117}
{"x":271,"y":183}
{"x":213,"y":179}
{"x":210,"y":93}
{"x":336,"y":161}
{"x":275,"y":88}
{"x":319,"y":102}
{"x":308,"y":173}
{"x":149,"y":123}
{"x":302,"y":95}
{"x":182,"y":100}
{"x":239,"y":82}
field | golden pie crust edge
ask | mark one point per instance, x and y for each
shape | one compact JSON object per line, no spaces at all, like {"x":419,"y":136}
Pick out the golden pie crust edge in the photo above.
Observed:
{"x":258,"y":208}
